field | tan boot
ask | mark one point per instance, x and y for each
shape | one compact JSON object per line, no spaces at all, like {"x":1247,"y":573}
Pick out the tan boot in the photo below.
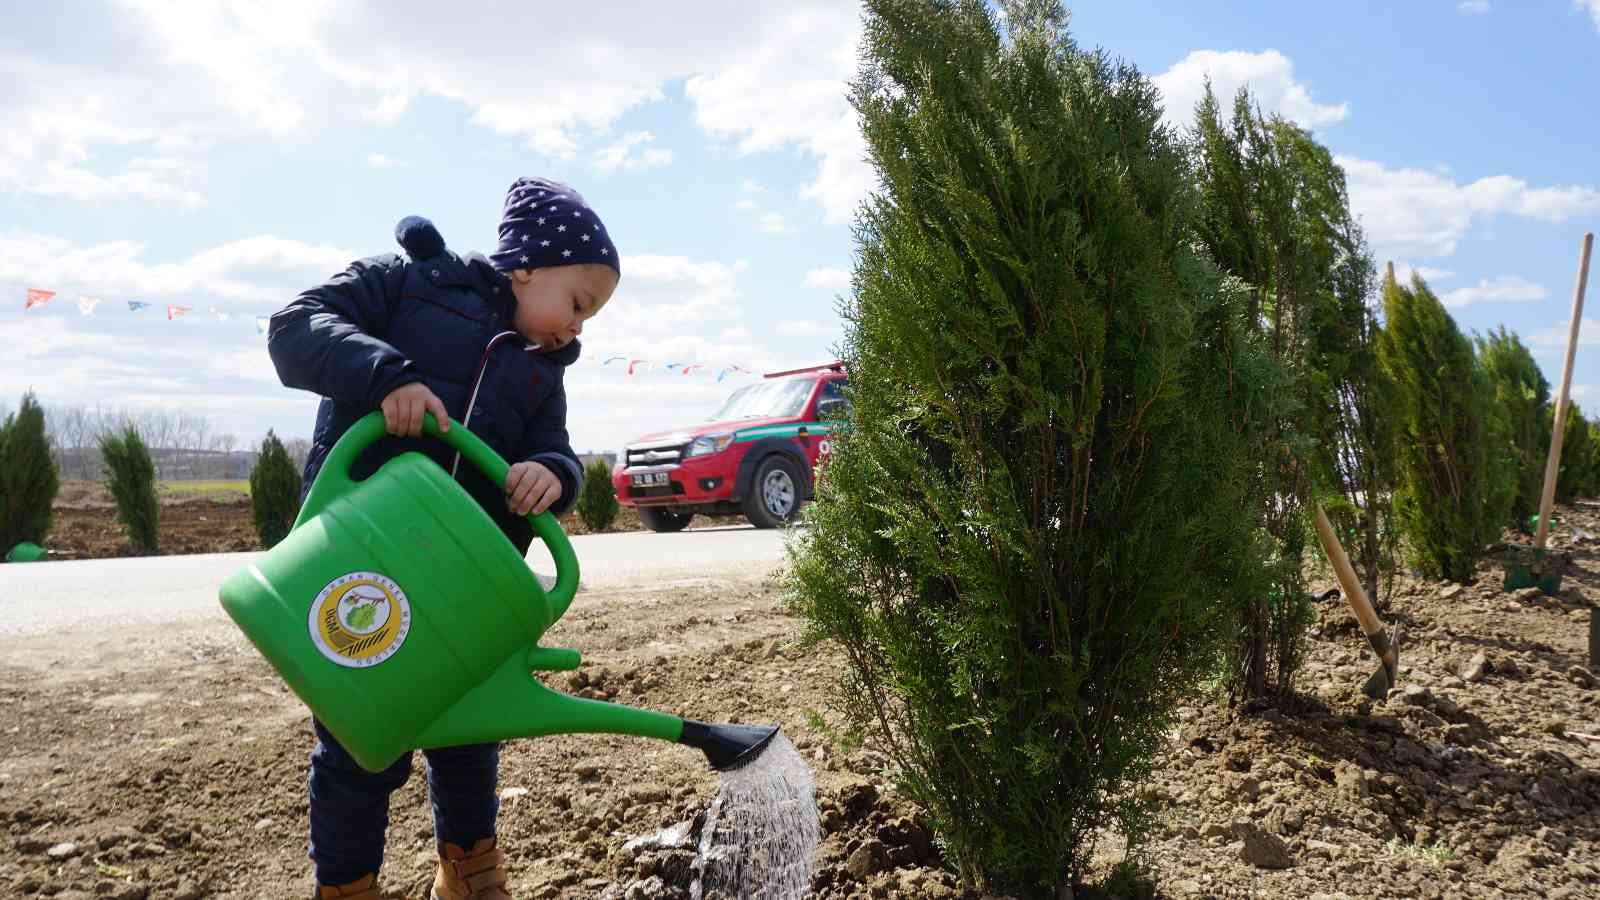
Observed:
{"x":363,"y":888}
{"x":476,"y":874}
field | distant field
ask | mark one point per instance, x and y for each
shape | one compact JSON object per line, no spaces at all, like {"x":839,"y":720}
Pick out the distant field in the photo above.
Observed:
{"x":240,"y":487}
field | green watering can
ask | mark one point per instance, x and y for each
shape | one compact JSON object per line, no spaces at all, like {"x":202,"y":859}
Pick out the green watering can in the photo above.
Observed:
{"x":403,"y":617}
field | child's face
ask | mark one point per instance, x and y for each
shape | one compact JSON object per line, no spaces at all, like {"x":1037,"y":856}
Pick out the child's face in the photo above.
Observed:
{"x":553,"y":303}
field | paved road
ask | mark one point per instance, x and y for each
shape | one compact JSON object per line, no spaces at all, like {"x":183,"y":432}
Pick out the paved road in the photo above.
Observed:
{"x":98,"y":594}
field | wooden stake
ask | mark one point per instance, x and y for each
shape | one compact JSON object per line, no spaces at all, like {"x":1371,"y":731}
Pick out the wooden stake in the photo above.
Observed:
{"x":1552,"y":463}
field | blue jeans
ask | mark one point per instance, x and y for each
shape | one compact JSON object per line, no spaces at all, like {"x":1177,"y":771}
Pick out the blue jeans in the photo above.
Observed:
{"x":349,"y":806}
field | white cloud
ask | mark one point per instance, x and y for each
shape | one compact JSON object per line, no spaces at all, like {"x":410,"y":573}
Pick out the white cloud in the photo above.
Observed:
{"x":1593,"y":6}
{"x":789,"y":87}
{"x":1269,"y":75}
{"x":828,"y":278}
{"x":1473,"y":7}
{"x":1404,"y":270}
{"x":620,"y":155}
{"x":380,"y":161}
{"x":1507,"y":289}
{"x":751,"y":186}
{"x":187,"y":77}
{"x":252,"y":274}
{"x":808,"y":329}
{"x":1555,"y":337}
{"x":1414,"y":212}
{"x":659,"y":295}
{"x":745,"y":204}
{"x":772,"y":223}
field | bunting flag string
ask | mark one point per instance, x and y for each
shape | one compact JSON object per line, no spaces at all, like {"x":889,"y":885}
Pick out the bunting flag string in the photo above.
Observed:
{"x":635,"y":366}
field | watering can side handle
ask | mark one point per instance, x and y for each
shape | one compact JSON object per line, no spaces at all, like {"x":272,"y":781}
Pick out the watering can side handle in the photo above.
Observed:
{"x":334,"y":480}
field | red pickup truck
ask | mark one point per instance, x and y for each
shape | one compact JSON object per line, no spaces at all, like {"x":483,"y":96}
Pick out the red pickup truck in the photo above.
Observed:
{"x":756,"y":456}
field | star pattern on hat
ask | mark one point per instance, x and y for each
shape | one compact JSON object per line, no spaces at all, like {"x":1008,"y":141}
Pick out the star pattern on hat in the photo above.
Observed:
{"x":534,"y":204}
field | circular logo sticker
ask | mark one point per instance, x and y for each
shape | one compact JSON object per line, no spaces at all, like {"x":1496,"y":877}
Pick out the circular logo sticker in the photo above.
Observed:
{"x":360,"y":619}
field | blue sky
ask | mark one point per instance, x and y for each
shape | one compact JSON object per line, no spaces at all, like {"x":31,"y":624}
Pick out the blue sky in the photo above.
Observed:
{"x":222,"y":156}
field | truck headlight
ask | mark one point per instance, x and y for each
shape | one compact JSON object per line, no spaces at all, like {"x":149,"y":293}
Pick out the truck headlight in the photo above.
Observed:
{"x":708,"y":444}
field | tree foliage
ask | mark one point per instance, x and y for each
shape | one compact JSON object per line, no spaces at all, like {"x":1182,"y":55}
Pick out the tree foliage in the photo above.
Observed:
{"x":28,"y":476}
{"x":131,"y":479}
{"x":274,"y":492}
{"x":1523,"y":398}
{"x":1029,"y":545}
{"x":1445,"y":502}
{"x":597,"y":502}
{"x":1276,"y":214}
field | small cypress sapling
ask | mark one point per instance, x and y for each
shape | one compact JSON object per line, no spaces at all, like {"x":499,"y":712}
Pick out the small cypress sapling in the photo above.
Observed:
{"x":597,"y":502}
{"x":29,"y":479}
{"x":274,"y":492}
{"x":131,"y":480}
{"x":1523,"y":396}
{"x":1442,"y":403}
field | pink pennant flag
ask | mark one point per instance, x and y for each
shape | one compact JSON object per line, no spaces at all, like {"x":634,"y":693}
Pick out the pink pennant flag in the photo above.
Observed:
{"x":175,"y":311}
{"x":37,"y":297}
{"x":637,"y":362}
{"x":692,"y":366}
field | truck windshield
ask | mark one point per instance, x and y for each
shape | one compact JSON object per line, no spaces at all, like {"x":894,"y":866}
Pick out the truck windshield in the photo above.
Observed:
{"x":767,"y":400}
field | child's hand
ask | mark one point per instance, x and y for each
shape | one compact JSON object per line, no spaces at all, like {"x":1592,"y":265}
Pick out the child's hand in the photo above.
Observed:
{"x":530,"y":487}
{"x":403,"y":409}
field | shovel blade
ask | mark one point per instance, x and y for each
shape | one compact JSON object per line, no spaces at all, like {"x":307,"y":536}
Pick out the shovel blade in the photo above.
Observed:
{"x":1377,"y":687}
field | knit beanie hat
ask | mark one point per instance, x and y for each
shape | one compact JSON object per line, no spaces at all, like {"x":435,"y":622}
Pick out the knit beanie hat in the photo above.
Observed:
{"x":547,"y":223}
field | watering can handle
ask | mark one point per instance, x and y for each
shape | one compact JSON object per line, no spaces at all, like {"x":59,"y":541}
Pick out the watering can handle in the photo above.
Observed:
{"x":334,"y":480}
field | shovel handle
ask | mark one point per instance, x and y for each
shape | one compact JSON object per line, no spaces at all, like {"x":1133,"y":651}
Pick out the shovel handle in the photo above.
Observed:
{"x":1346,"y":573}
{"x":1552,"y":463}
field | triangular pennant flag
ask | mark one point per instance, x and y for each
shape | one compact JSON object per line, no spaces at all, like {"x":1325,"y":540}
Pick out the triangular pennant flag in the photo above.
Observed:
{"x":637,"y":362}
{"x":671,"y":366}
{"x":614,"y":359}
{"x":261,"y":324}
{"x":37,"y":297}
{"x":86,"y":305}
{"x":175,"y":311}
{"x":136,"y":305}
{"x":691,"y":367}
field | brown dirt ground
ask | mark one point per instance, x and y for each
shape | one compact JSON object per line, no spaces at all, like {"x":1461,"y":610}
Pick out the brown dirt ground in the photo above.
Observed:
{"x":85,"y":526}
{"x":176,"y":767}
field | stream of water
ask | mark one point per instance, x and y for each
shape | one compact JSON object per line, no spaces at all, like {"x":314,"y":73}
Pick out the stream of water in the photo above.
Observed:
{"x":761,"y":831}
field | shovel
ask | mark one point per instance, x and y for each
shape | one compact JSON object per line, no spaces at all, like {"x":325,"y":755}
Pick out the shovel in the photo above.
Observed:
{"x":1544,"y":571}
{"x":1377,"y":687}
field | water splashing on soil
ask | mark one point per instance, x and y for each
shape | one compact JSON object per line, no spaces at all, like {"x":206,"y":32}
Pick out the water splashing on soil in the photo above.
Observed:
{"x":761,"y":831}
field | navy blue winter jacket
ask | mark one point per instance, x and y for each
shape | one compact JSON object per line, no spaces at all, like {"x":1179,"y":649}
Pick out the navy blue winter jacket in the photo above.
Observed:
{"x":387,"y":321}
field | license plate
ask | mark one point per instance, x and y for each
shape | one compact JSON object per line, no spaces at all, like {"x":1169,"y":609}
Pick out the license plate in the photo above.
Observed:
{"x":650,"y":479}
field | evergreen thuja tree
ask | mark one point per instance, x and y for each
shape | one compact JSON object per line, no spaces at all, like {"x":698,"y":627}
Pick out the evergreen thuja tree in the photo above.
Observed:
{"x":131,"y":480}
{"x":1523,"y":398}
{"x":597,"y":500}
{"x":28,"y":477}
{"x":1029,"y":545}
{"x":1275,"y":213}
{"x":274,"y":492}
{"x":1442,"y":404}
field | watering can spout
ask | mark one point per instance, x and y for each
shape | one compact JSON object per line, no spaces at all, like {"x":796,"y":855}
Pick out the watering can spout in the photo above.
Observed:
{"x":727,"y":746}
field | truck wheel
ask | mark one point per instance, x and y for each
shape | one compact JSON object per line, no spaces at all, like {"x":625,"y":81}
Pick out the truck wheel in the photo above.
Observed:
{"x":662,"y":520}
{"x":774,"y":494}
